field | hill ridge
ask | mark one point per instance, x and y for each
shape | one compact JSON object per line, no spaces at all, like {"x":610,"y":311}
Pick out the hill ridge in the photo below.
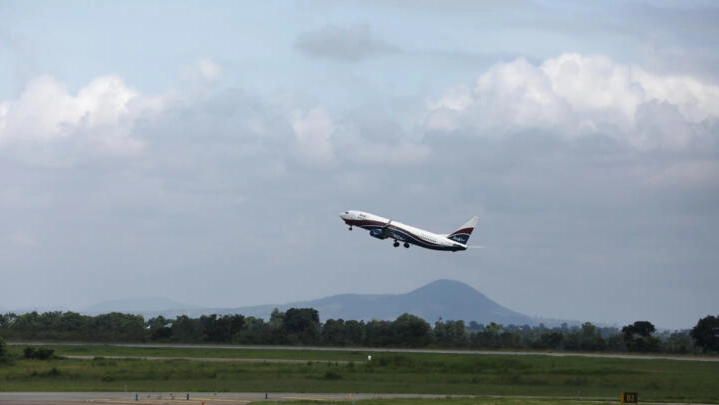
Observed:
{"x":444,"y":299}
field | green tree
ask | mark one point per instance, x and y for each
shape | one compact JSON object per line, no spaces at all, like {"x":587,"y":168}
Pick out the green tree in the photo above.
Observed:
{"x":590,"y":339}
{"x":117,"y":327}
{"x":549,"y":340}
{"x":638,"y":337}
{"x":221,"y":329}
{"x":3,"y":351}
{"x":706,"y":333}
{"x":355,"y":332}
{"x":379,"y":333}
{"x":333,"y":332}
{"x":412,"y":331}
{"x":39,"y":353}
{"x":73,"y":325}
{"x":254,"y":331}
{"x":302,"y":325}
{"x":276,"y":328}
{"x":159,"y":328}
{"x":233,"y":323}
{"x":27,"y":326}
{"x":187,"y":330}
{"x":489,"y":337}
{"x":615,"y":343}
{"x":450,"y":333}
{"x":510,"y":338}
{"x":678,"y":342}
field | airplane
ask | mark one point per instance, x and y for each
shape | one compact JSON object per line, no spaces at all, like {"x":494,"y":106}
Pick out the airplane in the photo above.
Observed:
{"x":383,"y":228}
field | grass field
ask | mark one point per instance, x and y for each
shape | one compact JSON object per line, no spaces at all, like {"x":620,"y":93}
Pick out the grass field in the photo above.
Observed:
{"x":349,"y":372}
{"x":455,"y":401}
{"x":209,"y":352}
{"x":459,"y":401}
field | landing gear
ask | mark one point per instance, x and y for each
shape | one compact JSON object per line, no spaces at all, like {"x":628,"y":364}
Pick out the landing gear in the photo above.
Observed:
{"x":406,"y":245}
{"x":350,"y":227}
{"x":396,"y":244}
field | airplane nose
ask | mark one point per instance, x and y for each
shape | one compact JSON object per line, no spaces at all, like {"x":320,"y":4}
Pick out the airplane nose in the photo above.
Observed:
{"x":345,"y":215}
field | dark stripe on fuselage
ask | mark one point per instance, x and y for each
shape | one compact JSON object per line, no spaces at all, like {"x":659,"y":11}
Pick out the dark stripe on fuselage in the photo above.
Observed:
{"x":404,"y":235}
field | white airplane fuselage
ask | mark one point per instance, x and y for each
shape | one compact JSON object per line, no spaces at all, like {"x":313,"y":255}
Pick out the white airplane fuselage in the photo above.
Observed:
{"x":383,"y":228}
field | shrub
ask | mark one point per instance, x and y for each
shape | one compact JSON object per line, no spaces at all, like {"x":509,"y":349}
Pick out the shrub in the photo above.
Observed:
{"x":41,"y":353}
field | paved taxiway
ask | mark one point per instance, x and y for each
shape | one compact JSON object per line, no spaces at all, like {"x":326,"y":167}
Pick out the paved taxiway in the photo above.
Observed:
{"x":126,"y":398}
{"x":230,"y":398}
{"x":370,"y":350}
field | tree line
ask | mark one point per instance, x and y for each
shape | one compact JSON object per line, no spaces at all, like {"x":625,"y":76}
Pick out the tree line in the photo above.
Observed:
{"x":302,"y":326}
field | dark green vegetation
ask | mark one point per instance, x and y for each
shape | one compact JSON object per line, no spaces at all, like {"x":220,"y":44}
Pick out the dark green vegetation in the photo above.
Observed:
{"x":457,"y":401}
{"x":4,"y":355}
{"x":42,"y":353}
{"x":463,"y":401}
{"x":350,"y":371}
{"x":706,"y":333}
{"x":220,"y":352}
{"x":302,"y":326}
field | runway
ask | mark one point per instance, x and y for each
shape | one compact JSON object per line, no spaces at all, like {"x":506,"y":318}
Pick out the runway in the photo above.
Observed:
{"x":227,"y":398}
{"x":126,"y":398}
{"x":379,"y":350}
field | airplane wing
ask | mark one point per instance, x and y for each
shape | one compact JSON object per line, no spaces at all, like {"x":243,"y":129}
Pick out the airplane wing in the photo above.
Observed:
{"x":383,"y":232}
{"x":389,"y":232}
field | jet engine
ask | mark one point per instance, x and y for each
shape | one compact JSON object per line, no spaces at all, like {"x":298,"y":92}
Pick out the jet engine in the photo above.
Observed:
{"x":378,"y":233}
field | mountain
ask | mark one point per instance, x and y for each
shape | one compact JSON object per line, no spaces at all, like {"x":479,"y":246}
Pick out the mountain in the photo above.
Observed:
{"x":147,"y":307}
{"x":446,"y":299}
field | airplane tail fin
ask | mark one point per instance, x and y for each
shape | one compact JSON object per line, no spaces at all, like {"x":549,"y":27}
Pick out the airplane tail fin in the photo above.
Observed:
{"x":462,"y":234}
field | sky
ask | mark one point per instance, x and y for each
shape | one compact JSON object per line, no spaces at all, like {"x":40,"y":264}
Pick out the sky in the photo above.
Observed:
{"x":201,"y":152}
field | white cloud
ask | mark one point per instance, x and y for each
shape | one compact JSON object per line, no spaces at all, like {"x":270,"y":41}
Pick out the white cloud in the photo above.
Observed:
{"x":447,"y":110}
{"x":313,"y":131}
{"x":102,"y":114}
{"x":48,"y":125}
{"x":575,"y":94}
{"x":509,"y":96}
{"x":47,"y":120}
{"x":520,"y":93}
{"x":593,"y":83}
{"x":456,"y":99}
{"x":696,"y":100}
